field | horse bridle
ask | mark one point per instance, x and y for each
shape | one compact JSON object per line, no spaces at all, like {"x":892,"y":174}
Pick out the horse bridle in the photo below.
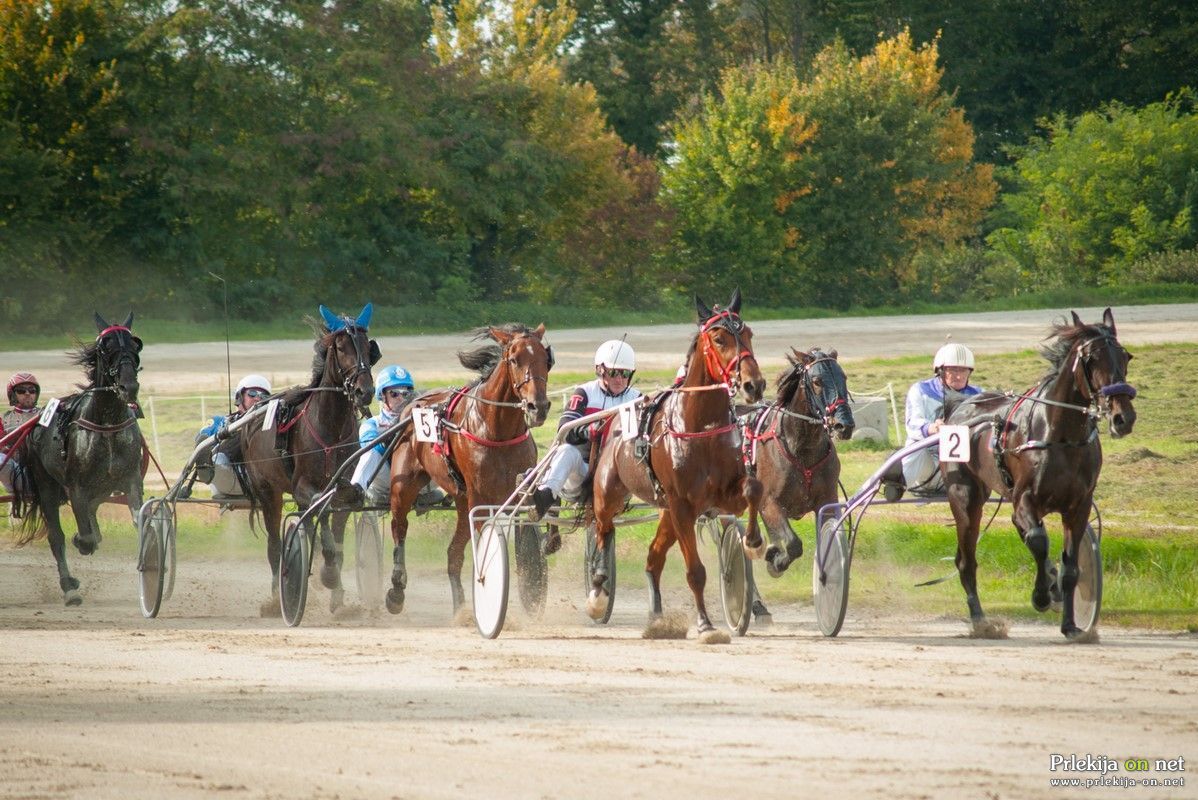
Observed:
{"x":528,"y":376}
{"x":726,"y":374}
{"x":347,"y":382}
{"x":826,"y":411}
{"x":1081,"y":364}
{"x":126,"y":353}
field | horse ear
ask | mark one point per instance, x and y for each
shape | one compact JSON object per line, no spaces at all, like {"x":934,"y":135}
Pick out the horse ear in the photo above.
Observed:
{"x":734,"y":303}
{"x":1108,"y":319}
{"x":128,"y":323}
{"x":704,"y":312}
{"x":363,"y":320}
{"x":331,"y":321}
{"x":1077,"y":320}
{"x":100,"y":323}
{"x":832,"y":354}
{"x":500,"y":335}
{"x":540,"y":331}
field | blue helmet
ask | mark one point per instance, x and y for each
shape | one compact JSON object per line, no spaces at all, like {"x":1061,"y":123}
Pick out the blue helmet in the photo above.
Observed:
{"x":392,"y":377}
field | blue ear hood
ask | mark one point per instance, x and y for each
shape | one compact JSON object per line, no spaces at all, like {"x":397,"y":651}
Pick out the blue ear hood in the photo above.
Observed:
{"x":363,"y":320}
{"x":336,"y":323}
{"x":332,"y":321}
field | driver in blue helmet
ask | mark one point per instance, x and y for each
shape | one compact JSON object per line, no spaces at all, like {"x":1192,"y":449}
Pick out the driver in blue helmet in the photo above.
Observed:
{"x":394,"y":389}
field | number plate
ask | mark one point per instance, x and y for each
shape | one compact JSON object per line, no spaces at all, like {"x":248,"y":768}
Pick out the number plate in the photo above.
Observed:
{"x":954,"y":443}
{"x":629,"y":421}
{"x":48,"y":413}
{"x":428,"y":427}
{"x":268,"y":419}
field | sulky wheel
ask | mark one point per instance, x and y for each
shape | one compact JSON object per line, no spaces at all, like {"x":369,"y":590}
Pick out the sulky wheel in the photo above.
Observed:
{"x":151,"y":552}
{"x":830,"y":577}
{"x":532,"y":570}
{"x":295,"y":562}
{"x":735,"y":583}
{"x":490,"y":571}
{"x":368,"y":558}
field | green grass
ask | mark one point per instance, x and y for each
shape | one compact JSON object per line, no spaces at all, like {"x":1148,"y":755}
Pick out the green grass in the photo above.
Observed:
{"x":1146,"y":494}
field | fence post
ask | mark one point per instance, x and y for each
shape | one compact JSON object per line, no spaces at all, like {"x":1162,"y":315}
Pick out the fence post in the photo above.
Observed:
{"x":899,"y":431}
{"x":203,"y":411}
{"x":154,"y":426}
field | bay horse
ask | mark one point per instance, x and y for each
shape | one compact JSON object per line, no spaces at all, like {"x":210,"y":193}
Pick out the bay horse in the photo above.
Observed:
{"x":90,"y":448}
{"x":1041,"y":451}
{"x":693,"y":463}
{"x":790,"y":444}
{"x":317,"y":431}
{"x":484,"y":442}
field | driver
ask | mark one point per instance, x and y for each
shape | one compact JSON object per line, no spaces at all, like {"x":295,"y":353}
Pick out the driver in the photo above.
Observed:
{"x":221,"y":473}
{"x":615,"y":364}
{"x":23,"y":394}
{"x":952,"y":367}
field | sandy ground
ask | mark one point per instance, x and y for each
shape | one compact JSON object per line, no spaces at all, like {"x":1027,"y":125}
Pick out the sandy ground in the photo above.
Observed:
{"x":209,"y":700}
{"x":201,"y":367}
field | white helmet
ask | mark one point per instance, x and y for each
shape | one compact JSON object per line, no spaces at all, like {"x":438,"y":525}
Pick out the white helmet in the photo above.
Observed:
{"x":615,"y":354}
{"x":251,"y":382}
{"x":953,"y":355}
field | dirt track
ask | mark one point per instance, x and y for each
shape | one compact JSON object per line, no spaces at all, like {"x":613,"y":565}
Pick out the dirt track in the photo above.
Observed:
{"x":210,"y":701}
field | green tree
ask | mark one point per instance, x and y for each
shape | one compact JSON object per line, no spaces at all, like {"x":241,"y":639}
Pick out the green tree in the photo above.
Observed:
{"x":823,"y":190}
{"x":1101,"y":191}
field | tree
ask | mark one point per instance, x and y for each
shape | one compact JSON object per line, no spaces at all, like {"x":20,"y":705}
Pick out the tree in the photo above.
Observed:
{"x":822,"y":190}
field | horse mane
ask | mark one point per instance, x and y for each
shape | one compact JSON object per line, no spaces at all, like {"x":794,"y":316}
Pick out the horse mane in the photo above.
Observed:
{"x":85,"y":354}
{"x":1060,"y":343}
{"x":789,"y":381}
{"x":484,"y":359}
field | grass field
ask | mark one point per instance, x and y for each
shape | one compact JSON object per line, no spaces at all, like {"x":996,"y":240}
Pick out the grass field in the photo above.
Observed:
{"x":1147,"y":495}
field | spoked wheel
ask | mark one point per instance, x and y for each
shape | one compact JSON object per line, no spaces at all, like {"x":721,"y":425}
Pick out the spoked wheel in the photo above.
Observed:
{"x":295,"y":562}
{"x":588,"y":561}
{"x":490,"y":572}
{"x":830,"y":577}
{"x":151,"y":553}
{"x":1087,"y":595}
{"x":532,"y":571}
{"x":368,"y":558}
{"x":735,"y":585}
{"x":169,"y":558}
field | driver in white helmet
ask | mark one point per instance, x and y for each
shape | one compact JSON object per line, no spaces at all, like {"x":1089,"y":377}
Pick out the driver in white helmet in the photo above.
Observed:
{"x":951,"y":369}
{"x":615,"y":364}
{"x":220,"y":474}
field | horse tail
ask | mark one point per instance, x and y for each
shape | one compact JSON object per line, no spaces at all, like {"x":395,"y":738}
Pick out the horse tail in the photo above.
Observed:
{"x":26,"y":505}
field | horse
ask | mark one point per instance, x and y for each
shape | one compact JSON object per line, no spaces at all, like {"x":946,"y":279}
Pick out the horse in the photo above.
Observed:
{"x":89,"y":448}
{"x":790,"y":443}
{"x":317,"y":431}
{"x":483,"y":442}
{"x":692,"y":463}
{"x":1040,"y":451}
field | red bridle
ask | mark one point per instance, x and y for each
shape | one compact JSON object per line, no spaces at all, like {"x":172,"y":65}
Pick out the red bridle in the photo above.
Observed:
{"x":722,"y":373}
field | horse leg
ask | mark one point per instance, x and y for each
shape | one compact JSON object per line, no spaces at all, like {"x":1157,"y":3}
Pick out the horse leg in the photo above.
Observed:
{"x":87,"y":538}
{"x":1035,"y":537}
{"x":52,"y":518}
{"x":456,"y":554}
{"x":751,"y":490}
{"x":272,"y":518}
{"x":401,"y":504}
{"x":1075,"y":531}
{"x":332,"y":539}
{"x":656,"y":561}
{"x":785,"y":546}
{"x":966,"y":499}
{"x":696,"y":573}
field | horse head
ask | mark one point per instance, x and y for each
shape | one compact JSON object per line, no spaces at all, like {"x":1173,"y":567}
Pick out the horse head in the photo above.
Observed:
{"x":349,"y":353}
{"x":822,"y":384}
{"x":1099,"y":367}
{"x":117,"y":359}
{"x":727,"y":348}
{"x":527,"y":360}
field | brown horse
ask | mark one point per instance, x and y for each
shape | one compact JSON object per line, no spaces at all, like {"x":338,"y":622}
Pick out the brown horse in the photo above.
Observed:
{"x":694,"y":462}
{"x":790,"y":442}
{"x":1041,"y":452}
{"x":317,"y":433}
{"x":483,"y":446}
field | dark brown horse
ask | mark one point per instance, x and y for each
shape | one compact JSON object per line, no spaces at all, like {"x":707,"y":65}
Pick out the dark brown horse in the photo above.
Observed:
{"x":483,"y":443}
{"x":317,"y":432}
{"x":790,"y":442}
{"x":90,"y":448}
{"x":1041,"y":452}
{"x":694,"y":461}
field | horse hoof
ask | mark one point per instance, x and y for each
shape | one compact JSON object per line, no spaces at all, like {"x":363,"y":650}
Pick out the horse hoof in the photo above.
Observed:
{"x":394,"y":601}
{"x":84,"y":546}
{"x":597,"y":602}
{"x":553,"y":542}
{"x":72,"y":598}
{"x":714,"y":636}
{"x":761,"y":614}
{"x":336,"y":600}
{"x":1040,"y":600}
{"x":1076,"y":635}
{"x":330,"y":576}
{"x":754,"y":553}
{"x":270,"y":608}
{"x":986,"y":628}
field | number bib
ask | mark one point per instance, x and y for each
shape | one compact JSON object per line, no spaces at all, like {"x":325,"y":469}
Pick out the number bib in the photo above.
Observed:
{"x":427,"y":425}
{"x":954,"y":443}
{"x":629,"y":420}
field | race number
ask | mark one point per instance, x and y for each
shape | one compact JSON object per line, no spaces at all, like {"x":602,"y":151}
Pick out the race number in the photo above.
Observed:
{"x":268,"y":419}
{"x":426,"y":424}
{"x":48,"y":413}
{"x":954,"y":442}
{"x":629,"y":421}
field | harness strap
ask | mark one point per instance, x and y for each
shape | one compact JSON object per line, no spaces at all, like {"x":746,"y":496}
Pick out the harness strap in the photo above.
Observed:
{"x":88,"y":425}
